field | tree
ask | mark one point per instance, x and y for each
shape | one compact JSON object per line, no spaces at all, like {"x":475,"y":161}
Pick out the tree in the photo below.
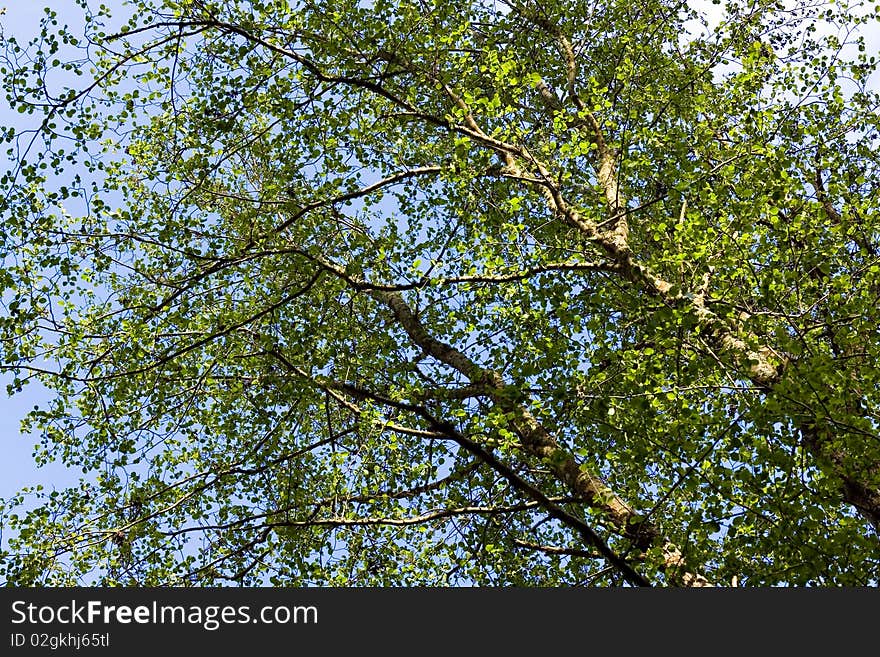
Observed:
{"x":522,"y":293}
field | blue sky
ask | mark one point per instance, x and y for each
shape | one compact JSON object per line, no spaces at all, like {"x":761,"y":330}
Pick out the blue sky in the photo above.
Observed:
{"x":17,"y":468}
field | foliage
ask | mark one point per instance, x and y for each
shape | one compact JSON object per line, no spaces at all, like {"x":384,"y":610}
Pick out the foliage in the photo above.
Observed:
{"x":408,"y":293}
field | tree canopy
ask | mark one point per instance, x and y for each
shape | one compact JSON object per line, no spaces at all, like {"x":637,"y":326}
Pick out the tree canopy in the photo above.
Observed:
{"x":432,"y":293}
